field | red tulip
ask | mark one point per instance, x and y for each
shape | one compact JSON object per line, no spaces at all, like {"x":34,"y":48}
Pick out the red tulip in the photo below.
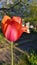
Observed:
{"x":13,"y":28}
{"x":4,"y":24}
{"x":17,"y":19}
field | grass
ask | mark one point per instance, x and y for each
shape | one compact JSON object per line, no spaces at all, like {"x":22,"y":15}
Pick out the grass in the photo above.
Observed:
{"x":28,"y":60}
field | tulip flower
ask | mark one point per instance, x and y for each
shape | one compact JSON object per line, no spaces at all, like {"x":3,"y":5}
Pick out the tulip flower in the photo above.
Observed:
{"x":13,"y":28}
{"x":17,"y":19}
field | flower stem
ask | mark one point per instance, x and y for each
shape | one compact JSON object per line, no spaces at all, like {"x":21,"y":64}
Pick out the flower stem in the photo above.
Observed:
{"x":12,"y":53}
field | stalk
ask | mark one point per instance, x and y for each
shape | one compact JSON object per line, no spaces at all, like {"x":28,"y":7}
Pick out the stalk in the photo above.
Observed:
{"x":12,"y":53}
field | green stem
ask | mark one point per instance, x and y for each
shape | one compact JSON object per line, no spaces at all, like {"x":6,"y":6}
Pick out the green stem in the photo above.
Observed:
{"x":12,"y":53}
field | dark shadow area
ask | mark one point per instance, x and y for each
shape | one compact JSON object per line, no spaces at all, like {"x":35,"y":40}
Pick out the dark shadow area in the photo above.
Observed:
{"x":0,"y":30}
{"x":3,"y":63}
{"x":28,"y":41}
{"x":0,"y":63}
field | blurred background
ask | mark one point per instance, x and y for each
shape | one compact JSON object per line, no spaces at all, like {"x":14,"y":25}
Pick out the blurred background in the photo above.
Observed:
{"x":27,"y":10}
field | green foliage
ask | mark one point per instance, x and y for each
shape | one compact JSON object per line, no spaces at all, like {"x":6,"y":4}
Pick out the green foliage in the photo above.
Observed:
{"x":28,"y":59}
{"x":33,"y":20}
{"x":33,"y":59}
